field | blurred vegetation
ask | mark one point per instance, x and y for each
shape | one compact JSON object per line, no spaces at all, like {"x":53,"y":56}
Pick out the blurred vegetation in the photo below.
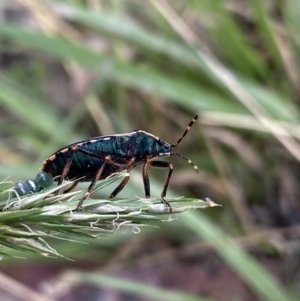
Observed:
{"x":73,"y":69}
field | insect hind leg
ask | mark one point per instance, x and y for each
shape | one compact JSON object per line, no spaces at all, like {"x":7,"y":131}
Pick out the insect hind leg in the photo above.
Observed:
{"x":66,"y":169}
{"x":93,"y":183}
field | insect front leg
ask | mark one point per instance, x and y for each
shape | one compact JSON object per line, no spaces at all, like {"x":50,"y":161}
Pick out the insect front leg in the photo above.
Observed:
{"x":146,"y":181}
{"x":164,"y":164}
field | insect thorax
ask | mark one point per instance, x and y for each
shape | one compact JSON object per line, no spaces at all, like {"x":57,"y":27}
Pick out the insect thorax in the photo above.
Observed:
{"x":152,"y":146}
{"x":138,"y":144}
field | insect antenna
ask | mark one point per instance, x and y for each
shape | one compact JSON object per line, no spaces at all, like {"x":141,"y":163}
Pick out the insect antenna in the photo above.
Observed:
{"x":180,"y":139}
{"x":187,"y":159}
{"x":185,"y":132}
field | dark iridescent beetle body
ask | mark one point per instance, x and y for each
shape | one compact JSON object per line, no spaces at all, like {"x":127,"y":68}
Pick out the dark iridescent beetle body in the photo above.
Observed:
{"x":90,"y":154}
{"x":99,"y":157}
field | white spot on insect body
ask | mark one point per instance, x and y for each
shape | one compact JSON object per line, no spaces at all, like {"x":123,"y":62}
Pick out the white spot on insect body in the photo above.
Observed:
{"x":164,"y":154}
{"x":107,"y":138}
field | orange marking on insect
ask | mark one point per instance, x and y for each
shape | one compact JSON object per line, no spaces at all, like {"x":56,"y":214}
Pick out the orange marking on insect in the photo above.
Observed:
{"x":53,"y":157}
{"x":65,"y":150}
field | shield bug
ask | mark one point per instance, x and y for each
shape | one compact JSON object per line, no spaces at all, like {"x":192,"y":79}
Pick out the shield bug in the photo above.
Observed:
{"x":99,"y":157}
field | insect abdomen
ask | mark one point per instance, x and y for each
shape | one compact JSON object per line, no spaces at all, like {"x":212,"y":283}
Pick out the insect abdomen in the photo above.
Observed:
{"x":82,"y":167}
{"x":85,"y":166}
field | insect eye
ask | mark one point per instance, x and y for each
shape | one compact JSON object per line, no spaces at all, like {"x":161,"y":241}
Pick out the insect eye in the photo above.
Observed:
{"x":161,"y":142}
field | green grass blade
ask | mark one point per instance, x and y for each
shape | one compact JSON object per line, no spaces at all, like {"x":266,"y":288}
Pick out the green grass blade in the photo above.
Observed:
{"x":109,"y":24}
{"x":145,"y":79}
{"x":11,"y":95}
{"x":226,"y":31}
{"x":267,"y":28}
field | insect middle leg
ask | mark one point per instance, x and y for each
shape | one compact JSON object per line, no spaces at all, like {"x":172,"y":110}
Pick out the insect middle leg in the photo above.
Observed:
{"x":164,"y":164}
{"x":107,"y":160}
{"x":121,"y":185}
{"x":74,"y":184}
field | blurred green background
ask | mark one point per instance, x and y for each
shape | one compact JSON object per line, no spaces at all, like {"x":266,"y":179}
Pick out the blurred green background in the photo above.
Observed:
{"x":70,"y":70}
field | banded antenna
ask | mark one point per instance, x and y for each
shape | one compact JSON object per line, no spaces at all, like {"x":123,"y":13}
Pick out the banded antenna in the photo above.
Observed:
{"x":180,"y":139}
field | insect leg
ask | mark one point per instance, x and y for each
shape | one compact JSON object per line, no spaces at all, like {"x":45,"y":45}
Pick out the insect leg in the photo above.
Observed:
{"x":92,"y":185}
{"x":122,"y":184}
{"x":164,"y":164}
{"x":125,"y":181}
{"x":66,"y":168}
{"x":74,"y":184}
{"x":146,"y":181}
